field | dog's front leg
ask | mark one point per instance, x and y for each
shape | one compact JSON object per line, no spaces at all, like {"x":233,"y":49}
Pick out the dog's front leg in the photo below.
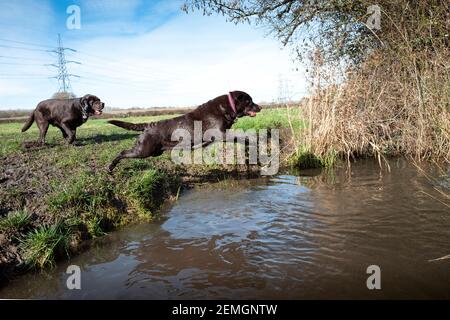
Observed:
{"x":71,"y":134}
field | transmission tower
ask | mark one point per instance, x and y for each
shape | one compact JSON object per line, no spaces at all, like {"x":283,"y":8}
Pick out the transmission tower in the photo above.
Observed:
{"x":281,"y":95}
{"x":283,"y":89}
{"x":63,"y":74}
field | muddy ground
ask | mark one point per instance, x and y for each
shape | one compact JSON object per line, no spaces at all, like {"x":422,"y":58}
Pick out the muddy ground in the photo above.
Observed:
{"x":57,"y":184}
{"x":27,"y":179}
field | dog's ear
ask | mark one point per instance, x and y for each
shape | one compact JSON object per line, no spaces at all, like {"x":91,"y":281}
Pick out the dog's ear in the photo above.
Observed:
{"x":86,"y":100}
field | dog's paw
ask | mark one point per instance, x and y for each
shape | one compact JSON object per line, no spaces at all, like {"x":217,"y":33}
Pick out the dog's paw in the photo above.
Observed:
{"x":76,"y":144}
{"x":32,"y":144}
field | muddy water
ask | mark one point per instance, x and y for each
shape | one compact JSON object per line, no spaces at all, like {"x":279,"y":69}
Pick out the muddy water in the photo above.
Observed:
{"x":288,"y":236}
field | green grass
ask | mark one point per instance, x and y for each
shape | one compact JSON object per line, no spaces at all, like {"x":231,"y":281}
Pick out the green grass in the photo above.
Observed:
{"x":97,"y":130}
{"x":85,"y":192}
{"x":91,"y":197}
{"x":272,"y":119}
{"x":146,"y":189}
{"x":305,"y":159}
{"x":43,"y":245}
{"x":103,"y":138}
{"x":70,"y":183}
{"x":95,"y":226}
{"x":15,"y":221}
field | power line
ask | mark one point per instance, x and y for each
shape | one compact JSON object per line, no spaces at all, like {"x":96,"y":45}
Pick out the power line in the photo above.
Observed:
{"x":23,"y":48}
{"x":26,"y":43}
{"x":113,"y":64}
{"x":284,"y":89}
{"x":22,"y":74}
{"x":63,"y":75}
{"x":117,"y":63}
{"x":124,"y":73}
{"x":22,"y":58}
{"x":23,"y":77}
{"x":22,"y":64}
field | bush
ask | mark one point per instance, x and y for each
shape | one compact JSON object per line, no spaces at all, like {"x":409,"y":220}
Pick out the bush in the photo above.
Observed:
{"x":15,"y":221}
{"x":63,"y":95}
{"x":149,"y":189}
{"x":42,"y":246}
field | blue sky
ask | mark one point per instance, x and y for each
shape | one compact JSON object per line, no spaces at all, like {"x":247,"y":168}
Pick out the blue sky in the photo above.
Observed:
{"x":138,"y":53}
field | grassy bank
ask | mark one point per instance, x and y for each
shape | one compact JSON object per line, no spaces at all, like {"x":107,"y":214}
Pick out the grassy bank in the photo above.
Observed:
{"x":388,"y":107}
{"x":53,"y":198}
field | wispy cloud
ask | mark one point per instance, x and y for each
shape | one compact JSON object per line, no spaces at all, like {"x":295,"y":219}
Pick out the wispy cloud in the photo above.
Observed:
{"x":114,"y":17}
{"x":179,"y":60}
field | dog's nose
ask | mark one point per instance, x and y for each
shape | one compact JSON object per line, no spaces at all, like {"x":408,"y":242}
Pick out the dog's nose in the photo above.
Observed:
{"x":257,"y":107}
{"x":103,"y":104}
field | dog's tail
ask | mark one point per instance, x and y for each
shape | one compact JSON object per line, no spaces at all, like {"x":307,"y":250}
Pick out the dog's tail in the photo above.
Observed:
{"x":29,"y":122}
{"x":129,"y":126}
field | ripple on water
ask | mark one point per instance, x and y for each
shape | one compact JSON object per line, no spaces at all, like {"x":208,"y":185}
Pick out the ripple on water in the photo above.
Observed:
{"x":280,"y":237}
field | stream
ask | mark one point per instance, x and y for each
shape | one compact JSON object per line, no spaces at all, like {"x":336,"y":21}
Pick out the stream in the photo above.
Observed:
{"x":310,"y":234}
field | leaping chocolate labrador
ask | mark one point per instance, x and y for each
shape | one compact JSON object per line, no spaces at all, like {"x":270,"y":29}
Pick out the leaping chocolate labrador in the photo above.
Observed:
{"x":65,"y":114}
{"x":219,"y":113}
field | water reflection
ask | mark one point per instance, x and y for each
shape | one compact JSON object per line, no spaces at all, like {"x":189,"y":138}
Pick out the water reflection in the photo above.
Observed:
{"x":291,"y":236}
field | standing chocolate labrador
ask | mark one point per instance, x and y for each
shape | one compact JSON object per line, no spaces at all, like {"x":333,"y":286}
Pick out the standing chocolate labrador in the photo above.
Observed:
{"x":219,"y":113}
{"x":66,"y":114}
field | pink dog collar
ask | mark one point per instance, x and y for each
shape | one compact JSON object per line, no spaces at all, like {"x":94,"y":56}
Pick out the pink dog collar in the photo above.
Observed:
{"x":231,"y":101}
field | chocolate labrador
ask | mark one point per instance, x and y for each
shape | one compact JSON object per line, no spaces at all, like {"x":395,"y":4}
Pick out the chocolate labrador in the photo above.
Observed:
{"x":219,"y":113}
{"x":65,"y":114}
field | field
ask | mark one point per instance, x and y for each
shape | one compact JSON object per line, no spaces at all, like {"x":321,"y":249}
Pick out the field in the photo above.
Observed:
{"x":53,"y":198}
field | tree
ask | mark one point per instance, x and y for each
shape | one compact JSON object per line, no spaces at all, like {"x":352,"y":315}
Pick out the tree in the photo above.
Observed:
{"x":339,"y":28}
{"x":63,"y":95}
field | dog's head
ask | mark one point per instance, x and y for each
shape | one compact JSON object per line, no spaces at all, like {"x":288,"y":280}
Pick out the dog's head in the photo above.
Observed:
{"x":93,"y":104}
{"x":244,"y":104}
